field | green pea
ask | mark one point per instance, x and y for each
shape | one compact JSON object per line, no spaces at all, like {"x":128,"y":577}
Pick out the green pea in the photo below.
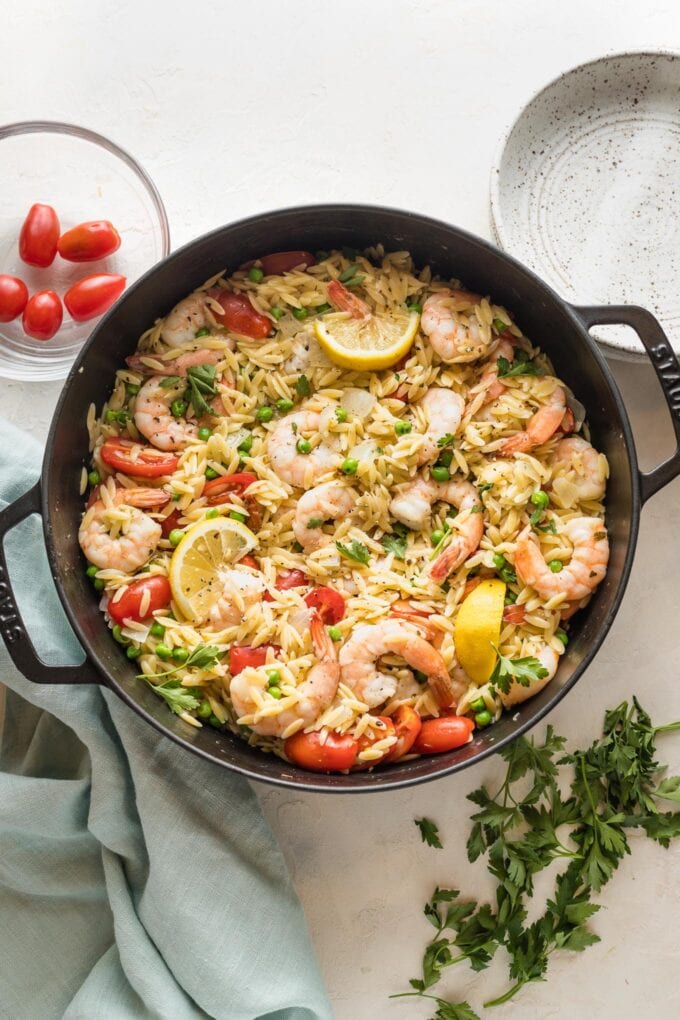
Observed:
{"x":335,"y":634}
{"x":414,"y":306}
{"x":420,"y":677}
{"x":436,"y":537}
{"x":133,"y":388}
{"x":322,"y":309}
{"x":157,"y":629}
{"x":349,"y":466}
{"x":210,"y":473}
{"x":440,"y":474}
{"x":275,"y":692}
{"x":212,"y":513}
{"x":341,"y":414}
{"x":178,"y":408}
{"x":556,"y":566}
{"x":510,"y":598}
{"x":133,"y":651}
{"x":175,"y":536}
{"x":499,"y":561}
{"x":264,"y":413}
{"x":117,"y":632}
{"x":276,"y":313}
{"x":111,"y":416}
{"x":445,"y":458}
{"x":98,"y":584}
{"x":180,"y":654}
{"x":303,"y":446}
{"x":236,"y":516}
{"x":204,"y":710}
{"x":204,"y":434}
{"x":163,"y":652}
{"x":203,"y":331}
{"x":402,"y":428}
{"x":246,"y":445}
{"x":284,"y":404}
{"x":297,"y":547}
{"x":483,"y":719}
{"x":255,"y":274}
{"x":94,"y":478}
{"x":274,"y":676}
{"x":479,"y":705}
{"x":562,"y":636}
{"x":299,"y":313}
{"x":92,"y":570}
{"x":540,"y":499}
{"x":214,"y":720}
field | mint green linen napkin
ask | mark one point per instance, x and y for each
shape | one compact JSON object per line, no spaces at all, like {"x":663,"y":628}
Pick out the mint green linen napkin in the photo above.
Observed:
{"x":136,"y":880}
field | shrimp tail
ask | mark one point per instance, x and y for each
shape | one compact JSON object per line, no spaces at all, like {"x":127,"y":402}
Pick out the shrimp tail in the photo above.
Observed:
{"x":143,"y":498}
{"x":322,"y":641}
{"x":448,"y":561}
{"x":342,"y":298}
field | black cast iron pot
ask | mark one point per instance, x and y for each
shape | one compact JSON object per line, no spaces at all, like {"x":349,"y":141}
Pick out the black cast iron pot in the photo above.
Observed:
{"x":561,"y":329}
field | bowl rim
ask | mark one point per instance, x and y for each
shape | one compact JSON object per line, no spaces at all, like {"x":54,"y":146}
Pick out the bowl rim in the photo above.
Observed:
{"x":352,"y":782}
{"x":621,"y":351}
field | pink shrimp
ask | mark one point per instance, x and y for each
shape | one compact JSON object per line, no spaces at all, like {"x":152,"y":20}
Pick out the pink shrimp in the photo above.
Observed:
{"x":341,"y":298}
{"x":176,"y":366}
{"x":541,"y":426}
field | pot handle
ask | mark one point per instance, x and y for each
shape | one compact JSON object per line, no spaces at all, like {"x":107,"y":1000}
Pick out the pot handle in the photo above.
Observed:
{"x":12,"y":627}
{"x":667,"y":370}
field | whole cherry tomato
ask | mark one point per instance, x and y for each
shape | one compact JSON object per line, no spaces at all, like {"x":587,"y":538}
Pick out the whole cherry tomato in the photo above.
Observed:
{"x":93,"y":295}
{"x":127,"y":607}
{"x":407,"y":724}
{"x":280,"y":262}
{"x":372,"y":736}
{"x":338,"y":753}
{"x":328,"y":602}
{"x":218,"y":489}
{"x":239,"y":316}
{"x":39,"y":236}
{"x":241,"y":656}
{"x":148,"y":462}
{"x":443,"y":734}
{"x":89,"y":241}
{"x":43,"y":315}
{"x":13,"y":297}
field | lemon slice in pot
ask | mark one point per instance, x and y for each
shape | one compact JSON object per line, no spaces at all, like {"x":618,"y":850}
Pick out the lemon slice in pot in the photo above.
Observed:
{"x":375,"y":342}
{"x":206,"y":549}
{"x":478,"y":629}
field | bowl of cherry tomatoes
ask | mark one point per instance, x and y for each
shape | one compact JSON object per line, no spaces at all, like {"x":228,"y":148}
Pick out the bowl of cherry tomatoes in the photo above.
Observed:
{"x":80,"y":220}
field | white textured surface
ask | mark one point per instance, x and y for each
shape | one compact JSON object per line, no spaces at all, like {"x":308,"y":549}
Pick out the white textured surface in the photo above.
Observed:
{"x":401,"y":103}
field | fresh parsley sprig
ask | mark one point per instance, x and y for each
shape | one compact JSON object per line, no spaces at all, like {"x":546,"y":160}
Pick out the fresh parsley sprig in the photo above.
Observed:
{"x":179,"y":699}
{"x":524,"y":671}
{"x":429,"y":833}
{"x":522,"y":365}
{"x":356,"y":551}
{"x":201,"y":657}
{"x":201,"y":384}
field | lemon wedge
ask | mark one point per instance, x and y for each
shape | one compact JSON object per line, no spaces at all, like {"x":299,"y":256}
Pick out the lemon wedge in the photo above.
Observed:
{"x":377,"y":341}
{"x":205,"y":550}
{"x":478,"y":629}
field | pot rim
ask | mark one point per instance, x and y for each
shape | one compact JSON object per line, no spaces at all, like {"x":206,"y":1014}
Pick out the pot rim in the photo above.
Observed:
{"x":353,"y":782}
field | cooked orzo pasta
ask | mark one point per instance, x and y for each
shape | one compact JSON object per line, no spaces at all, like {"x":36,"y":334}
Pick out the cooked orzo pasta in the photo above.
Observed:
{"x":342,"y":562}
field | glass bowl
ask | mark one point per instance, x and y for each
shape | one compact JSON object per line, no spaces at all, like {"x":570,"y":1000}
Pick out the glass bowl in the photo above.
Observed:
{"x":84,"y":176}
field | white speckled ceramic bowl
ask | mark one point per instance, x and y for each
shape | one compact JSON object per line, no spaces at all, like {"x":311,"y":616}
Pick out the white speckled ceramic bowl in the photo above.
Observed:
{"x":586,"y":189}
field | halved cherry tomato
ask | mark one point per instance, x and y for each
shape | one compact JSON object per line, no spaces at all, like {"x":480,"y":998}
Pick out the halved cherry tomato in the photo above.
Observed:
{"x":287,"y":579}
{"x":89,"y":241}
{"x":249,"y":561}
{"x":128,"y":605}
{"x":93,"y":295}
{"x":13,"y":297}
{"x":43,"y":315}
{"x":338,"y":753}
{"x":401,"y":393}
{"x":407,"y":724}
{"x":328,"y":602}
{"x":239,"y":316}
{"x":39,"y":236}
{"x":170,"y":522}
{"x":280,"y":262}
{"x":150,"y":463}
{"x":371,"y":736}
{"x":241,"y":656}
{"x":217,"y":489}
{"x":443,"y":734}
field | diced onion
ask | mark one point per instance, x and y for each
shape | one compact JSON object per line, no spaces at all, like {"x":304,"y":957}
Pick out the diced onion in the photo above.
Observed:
{"x":358,"y":402}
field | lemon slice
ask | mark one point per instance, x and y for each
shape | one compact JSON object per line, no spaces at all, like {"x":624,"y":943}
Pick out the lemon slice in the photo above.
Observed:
{"x":205,"y":550}
{"x":478,"y":628}
{"x":362,"y":344}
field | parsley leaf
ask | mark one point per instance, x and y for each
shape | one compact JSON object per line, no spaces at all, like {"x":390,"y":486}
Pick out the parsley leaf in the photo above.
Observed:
{"x":355,"y":551}
{"x":521,"y":366}
{"x":303,"y":386}
{"x":395,"y":544}
{"x":201,"y":657}
{"x":500,"y":326}
{"x":445,"y":440}
{"x":524,"y":671}
{"x":429,"y":833}
{"x":315,"y":522}
{"x":176,"y":697}
{"x":170,"y":381}
{"x":201,"y":380}
{"x":669,"y":789}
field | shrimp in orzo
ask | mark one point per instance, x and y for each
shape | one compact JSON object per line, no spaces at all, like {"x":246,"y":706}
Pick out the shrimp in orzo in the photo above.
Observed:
{"x":284,"y":448}
{"x":452,"y":337}
{"x":116,"y":534}
{"x":581,"y":575}
{"x":329,"y":501}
